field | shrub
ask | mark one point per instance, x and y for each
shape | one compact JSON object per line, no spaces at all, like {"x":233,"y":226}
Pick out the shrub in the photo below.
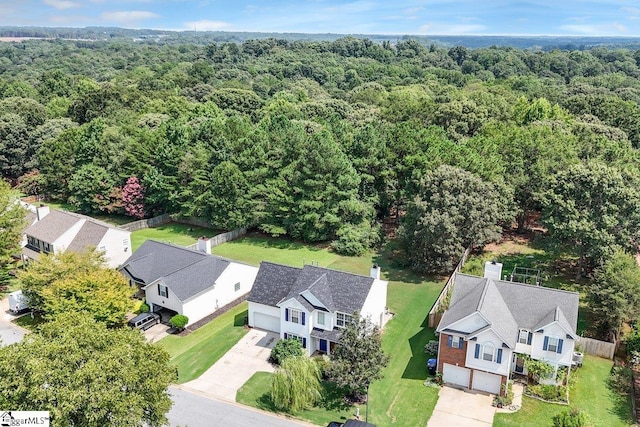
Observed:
{"x":550,"y":393}
{"x":284,"y":349}
{"x":179,"y":321}
{"x":620,"y":379}
{"x":572,"y":418}
{"x":632,"y":341}
{"x":431,"y":348}
{"x":143,"y":308}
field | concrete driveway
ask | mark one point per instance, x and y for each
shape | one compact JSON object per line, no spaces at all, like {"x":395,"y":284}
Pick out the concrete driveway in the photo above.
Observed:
{"x":230,"y":373}
{"x":459,"y":408}
{"x":9,"y":332}
{"x":156,"y":332}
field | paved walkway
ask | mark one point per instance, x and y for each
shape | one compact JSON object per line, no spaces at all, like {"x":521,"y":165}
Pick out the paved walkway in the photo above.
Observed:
{"x":9,"y":332}
{"x":239,"y":364}
{"x":518,"y":391}
{"x":459,"y":408}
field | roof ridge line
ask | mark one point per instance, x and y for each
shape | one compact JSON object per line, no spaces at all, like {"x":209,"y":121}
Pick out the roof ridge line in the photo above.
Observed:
{"x":484,"y":294}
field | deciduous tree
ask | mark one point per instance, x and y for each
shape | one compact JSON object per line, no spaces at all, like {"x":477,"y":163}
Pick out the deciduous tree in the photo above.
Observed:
{"x":12,"y":222}
{"x":296,"y":385}
{"x":85,"y":374}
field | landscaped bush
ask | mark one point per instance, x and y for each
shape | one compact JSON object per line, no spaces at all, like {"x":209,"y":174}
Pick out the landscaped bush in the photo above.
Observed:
{"x":632,"y":341}
{"x":142,"y":308}
{"x":179,"y":321}
{"x":431,"y":348}
{"x":572,"y":418}
{"x":550,"y":393}
{"x":620,"y":379}
{"x":285,"y":348}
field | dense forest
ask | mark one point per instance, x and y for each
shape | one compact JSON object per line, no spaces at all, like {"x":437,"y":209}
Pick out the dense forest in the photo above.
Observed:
{"x":326,"y":140}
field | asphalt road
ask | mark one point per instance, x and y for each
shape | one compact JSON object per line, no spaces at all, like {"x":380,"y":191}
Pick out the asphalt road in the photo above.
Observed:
{"x":194,"y":410}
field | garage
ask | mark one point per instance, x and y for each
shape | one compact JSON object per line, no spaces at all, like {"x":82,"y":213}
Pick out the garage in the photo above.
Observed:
{"x":456,"y":375}
{"x":484,"y":381}
{"x":266,"y":322}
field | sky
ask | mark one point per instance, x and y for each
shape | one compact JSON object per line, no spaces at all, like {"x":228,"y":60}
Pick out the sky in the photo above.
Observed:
{"x":397,"y":17}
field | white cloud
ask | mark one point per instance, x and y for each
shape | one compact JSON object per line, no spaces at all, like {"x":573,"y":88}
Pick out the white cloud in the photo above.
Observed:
{"x":206,"y":25}
{"x":607,"y":29}
{"x":453,"y":29}
{"x":128,"y":16}
{"x":61,"y":4}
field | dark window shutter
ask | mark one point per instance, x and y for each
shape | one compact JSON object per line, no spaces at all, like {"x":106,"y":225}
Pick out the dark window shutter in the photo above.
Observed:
{"x":560,"y":346}
{"x":460,"y":340}
{"x":285,"y":336}
{"x":304,"y":342}
{"x":449,"y":341}
{"x":499,"y":356}
{"x":286,"y":314}
{"x":159,"y":292}
{"x":529,"y":338}
{"x":302,"y":317}
{"x":477,"y":354}
{"x":545,"y":345}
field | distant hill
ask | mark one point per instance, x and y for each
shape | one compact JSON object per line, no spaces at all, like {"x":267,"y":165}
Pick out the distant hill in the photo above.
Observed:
{"x":207,"y":37}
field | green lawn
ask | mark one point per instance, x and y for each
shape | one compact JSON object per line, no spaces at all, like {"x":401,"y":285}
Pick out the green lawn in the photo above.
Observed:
{"x":111,"y":219}
{"x":179,"y":234}
{"x":195,"y":353}
{"x":590,"y":393}
{"x":400,"y":398}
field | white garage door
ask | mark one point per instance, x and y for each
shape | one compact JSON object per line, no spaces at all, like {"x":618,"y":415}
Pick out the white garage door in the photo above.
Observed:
{"x":484,"y":381}
{"x":266,"y":322}
{"x":455,"y":375}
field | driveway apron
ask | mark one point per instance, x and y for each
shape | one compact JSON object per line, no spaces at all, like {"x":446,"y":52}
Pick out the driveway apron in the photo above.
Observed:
{"x":459,"y":408}
{"x":228,"y":374}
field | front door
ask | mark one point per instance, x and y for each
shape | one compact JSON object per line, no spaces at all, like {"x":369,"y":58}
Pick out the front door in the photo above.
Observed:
{"x":323,"y":346}
{"x":519,"y":365}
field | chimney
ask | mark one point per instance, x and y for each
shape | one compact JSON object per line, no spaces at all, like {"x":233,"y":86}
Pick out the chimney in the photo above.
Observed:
{"x":492,"y":270}
{"x":42,"y":211}
{"x":204,"y":244}
{"x":375,"y":271}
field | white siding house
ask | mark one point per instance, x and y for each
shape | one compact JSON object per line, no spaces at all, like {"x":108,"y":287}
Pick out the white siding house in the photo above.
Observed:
{"x":491,"y":325}
{"x":56,"y":231}
{"x":313,"y":304}
{"x":176,"y":280}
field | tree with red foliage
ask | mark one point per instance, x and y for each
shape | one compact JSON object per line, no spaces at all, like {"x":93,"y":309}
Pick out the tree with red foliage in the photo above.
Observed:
{"x":133,"y":198}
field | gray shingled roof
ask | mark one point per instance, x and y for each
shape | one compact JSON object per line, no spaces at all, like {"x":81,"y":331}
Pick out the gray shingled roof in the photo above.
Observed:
{"x":52,"y":226}
{"x":90,"y":234}
{"x":509,"y":306}
{"x":195,"y":278}
{"x":336,"y":290}
{"x":186,"y":272}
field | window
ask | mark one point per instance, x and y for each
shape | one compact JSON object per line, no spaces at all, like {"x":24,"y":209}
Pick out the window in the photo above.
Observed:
{"x":487,"y":352}
{"x":343,"y":320}
{"x":303,"y":341}
{"x":524,"y":337}
{"x":552,"y":344}
{"x":236,"y":287}
{"x":454,"y":342}
{"x":321,"y":318}
{"x":163,"y":291}
{"x":294,"y":316}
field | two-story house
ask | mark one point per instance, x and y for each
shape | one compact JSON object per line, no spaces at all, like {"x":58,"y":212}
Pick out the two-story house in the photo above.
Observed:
{"x":55,"y":231}
{"x":313,"y":304}
{"x":491,"y":324}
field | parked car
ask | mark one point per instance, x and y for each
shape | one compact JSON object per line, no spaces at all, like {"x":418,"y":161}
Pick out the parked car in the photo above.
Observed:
{"x":17,"y":302}
{"x":144,"y":321}
{"x":350,"y":423}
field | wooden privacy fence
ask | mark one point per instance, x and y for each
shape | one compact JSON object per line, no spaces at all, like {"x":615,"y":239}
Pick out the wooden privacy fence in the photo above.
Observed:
{"x":435,"y":314}
{"x":596,"y":347}
{"x":146,"y":223}
{"x":222,"y":238}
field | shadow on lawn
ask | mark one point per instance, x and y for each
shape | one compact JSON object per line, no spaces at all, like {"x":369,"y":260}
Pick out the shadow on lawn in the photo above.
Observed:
{"x":416,"y":368}
{"x":258,"y":239}
{"x":241,"y":318}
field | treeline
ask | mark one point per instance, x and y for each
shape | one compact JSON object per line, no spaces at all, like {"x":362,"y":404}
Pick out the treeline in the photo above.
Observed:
{"x":323,"y":140}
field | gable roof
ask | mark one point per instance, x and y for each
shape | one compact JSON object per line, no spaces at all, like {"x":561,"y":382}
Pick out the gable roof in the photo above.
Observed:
{"x":57,"y":222}
{"x":509,"y":306}
{"x":186,"y":272}
{"x":336,"y":290}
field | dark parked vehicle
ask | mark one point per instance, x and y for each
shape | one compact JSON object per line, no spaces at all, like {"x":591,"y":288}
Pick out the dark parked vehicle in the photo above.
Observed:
{"x":350,"y":423}
{"x":144,"y":321}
